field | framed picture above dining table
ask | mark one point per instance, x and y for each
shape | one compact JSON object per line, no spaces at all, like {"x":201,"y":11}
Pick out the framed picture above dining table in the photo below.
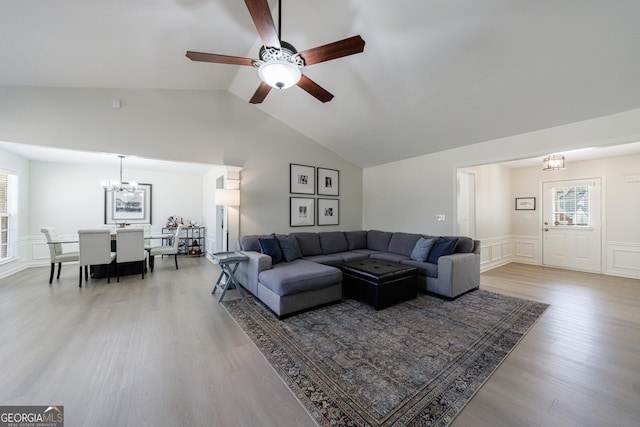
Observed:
{"x":128,"y":207}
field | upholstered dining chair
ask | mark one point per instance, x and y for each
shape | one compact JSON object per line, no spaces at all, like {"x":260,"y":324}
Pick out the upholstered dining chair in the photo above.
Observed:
{"x":56,"y":253}
{"x":166,"y":250}
{"x":130,"y":248}
{"x":95,"y":249}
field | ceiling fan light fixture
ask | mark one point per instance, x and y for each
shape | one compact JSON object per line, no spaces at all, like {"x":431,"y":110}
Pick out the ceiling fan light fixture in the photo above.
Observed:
{"x":279,"y":74}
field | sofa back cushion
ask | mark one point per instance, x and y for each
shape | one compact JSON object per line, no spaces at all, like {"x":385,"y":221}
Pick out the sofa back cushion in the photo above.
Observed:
{"x":465,"y":244}
{"x":309,"y":243}
{"x":356,"y":239}
{"x":333,"y":242}
{"x":378,"y":240}
{"x":403,"y":243}
{"x":250,"y":242}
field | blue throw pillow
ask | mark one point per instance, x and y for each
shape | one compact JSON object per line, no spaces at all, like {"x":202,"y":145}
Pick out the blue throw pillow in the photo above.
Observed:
{"x":270,"y":246}
{"x":290,"y":248}
{"x":421,"y":250}
{"x":440,"y":248}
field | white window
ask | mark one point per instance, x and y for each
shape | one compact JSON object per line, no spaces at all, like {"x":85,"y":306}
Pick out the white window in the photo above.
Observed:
{"x":571,"y":206}
{"x":8,"y":215}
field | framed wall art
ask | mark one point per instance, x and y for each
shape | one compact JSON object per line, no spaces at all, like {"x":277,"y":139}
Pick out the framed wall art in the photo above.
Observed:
{"x":302,"y":212}
{"x":328,"y":182}
{"x":302,"y":179}
{"x":525,"y":203}
{"x":128,"y":207}
{"x":328,"y":212}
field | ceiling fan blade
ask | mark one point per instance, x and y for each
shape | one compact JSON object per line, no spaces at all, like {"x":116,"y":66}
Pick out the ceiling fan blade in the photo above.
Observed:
{"x":219,"y":59}
{"x":261,"y":93}
{"x":333,"y":50}
{"x":314,"y":89}
{"x":262,"y":19}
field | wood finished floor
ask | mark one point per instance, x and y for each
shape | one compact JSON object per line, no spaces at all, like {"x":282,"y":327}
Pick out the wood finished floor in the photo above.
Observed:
{"x":163,"y":352}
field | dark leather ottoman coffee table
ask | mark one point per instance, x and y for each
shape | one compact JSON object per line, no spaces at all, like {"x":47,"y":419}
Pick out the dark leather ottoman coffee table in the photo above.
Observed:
{"x":377,"y":282}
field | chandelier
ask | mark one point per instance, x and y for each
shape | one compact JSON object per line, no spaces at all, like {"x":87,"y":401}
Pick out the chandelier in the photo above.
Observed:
{"x":118,"y":185}
{"x":553,"y":162}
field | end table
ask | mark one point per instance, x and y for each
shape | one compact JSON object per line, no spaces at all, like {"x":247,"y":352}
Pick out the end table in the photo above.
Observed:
{"x":228,"y":262}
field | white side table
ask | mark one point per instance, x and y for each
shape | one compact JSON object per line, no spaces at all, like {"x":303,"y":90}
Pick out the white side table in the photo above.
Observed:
{"x":228,"y":262}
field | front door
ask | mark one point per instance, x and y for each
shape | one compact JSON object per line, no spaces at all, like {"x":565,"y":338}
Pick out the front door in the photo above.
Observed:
{"x":571,"y":224}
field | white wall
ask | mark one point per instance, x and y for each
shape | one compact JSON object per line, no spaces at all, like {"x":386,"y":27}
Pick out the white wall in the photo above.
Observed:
{"x":407,"y":195}
{"x":620,"y":205}
{"x":200,"y":126}
{"x":69,"y":197}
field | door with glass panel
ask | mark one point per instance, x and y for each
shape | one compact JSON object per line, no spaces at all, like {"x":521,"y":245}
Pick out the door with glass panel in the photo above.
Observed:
{"x":571,"y":227}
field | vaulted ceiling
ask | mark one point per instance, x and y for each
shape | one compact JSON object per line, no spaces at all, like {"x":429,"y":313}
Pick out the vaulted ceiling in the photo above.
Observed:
{"x":435,"y":74}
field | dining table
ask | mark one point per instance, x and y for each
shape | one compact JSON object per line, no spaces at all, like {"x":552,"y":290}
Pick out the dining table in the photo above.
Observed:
{"x":127,"y":268}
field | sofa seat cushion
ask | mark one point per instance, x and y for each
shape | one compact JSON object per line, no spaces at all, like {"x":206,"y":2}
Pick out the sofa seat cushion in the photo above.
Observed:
{"x":351,"y":256}
{"x":424,"y":268}
{"x":388,"y":256}
{"x":367,"y":252}
{"x":332,"y":259}
{"x":299,"y":276}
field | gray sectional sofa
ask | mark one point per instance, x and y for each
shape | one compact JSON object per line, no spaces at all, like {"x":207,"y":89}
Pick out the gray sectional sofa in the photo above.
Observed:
{"x":307,"y":277}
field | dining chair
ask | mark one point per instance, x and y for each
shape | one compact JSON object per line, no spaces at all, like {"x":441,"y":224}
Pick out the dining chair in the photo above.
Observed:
{"x":166,"y":250}
{"x":56,"y":252}
{"x":130,"y":248}
{"x":95,"y":249}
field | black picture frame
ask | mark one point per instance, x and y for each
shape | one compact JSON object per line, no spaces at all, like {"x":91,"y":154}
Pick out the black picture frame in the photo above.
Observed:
{"x":124,"y":207}
{"x":328,"y":211}
{"x":302,"y":211}
{"x":302,"y":179}
{"x":525,"y":203}
{"x":328,"y":182}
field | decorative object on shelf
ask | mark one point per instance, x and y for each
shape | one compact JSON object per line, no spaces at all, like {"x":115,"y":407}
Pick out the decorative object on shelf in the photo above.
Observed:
{"x":328,"y":211}
{"x":191,"y":240}
{"x":302,"y":212}
{"x":302,"y":179}
{"x":328,"y":182}
{"x":128,"y":207}
{"x":525,"y":203}
{"x":553,"y":162}
{"x":118,"y":185}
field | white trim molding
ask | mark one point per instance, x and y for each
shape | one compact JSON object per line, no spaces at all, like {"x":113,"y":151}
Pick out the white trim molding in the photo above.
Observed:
{"x":622,"y":259}
{"x":495,"y":251}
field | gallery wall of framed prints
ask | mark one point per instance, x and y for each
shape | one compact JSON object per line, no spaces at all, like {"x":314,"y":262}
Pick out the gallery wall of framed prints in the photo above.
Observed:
{"x":312,"y":180}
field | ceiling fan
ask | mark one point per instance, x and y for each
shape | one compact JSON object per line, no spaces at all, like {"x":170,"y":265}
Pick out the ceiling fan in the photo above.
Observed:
{"x":280,"y":64}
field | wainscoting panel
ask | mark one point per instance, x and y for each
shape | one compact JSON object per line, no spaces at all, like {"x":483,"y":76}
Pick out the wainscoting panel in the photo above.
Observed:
{"x":623,"y":259}
{"x":527,"y":250}
{"x":495,"y":252}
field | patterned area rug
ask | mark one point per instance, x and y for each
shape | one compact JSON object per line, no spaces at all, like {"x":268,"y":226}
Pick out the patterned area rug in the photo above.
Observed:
{"x":415,"y":363}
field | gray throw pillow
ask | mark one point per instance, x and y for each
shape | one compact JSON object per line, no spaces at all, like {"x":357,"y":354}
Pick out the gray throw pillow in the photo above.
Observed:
{"x":421,"y":250}
{"x":290,"y":248}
